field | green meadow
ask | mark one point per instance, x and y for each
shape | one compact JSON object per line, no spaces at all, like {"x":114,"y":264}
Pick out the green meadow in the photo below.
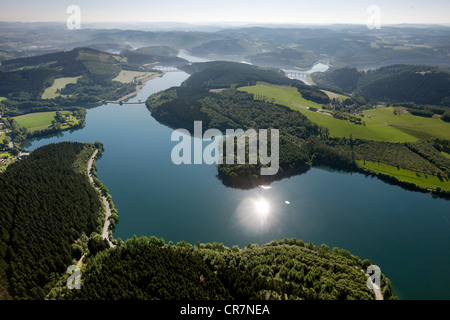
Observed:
{"x":419,"y":179}
{"x":40,"y":120}
{"x":419,"y":127}
{"x":284,"y":95}
{"x":290,"y":97}
{"x":58,"y":84}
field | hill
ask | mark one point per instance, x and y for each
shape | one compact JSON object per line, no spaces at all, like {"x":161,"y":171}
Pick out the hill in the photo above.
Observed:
{"x":162,"y":55}
{"x":224,"y":48}
{"x":397,"y":83}
{"x":223,"y":74}
{"x":285,"y":58}
{"x":69,"y":78}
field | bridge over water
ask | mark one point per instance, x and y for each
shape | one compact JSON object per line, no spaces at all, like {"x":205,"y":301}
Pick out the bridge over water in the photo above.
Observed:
{"x":296,"y":74}
{"x":166,"y":68}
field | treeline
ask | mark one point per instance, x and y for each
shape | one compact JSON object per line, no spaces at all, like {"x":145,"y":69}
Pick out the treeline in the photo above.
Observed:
{"x":46,"y":204}
{"x":398,"y":83}
{"x":289,"y":269}
{"x":420,"y":156}
{"x":312,"y":93}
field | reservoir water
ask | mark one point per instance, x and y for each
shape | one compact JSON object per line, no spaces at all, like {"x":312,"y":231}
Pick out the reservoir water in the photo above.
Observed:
{"x":407,"y":234}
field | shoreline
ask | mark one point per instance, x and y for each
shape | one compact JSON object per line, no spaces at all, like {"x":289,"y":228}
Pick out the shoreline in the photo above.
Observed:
{"x":138,"y":88}
{"x":105,"y":234}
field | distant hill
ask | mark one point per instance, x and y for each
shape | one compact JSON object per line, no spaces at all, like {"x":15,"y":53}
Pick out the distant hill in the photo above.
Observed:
{"x":397,"y":83}
{"x":221,"y":74}
{"x":285,"y":58}
{"x":27,"y":78}
{"x":163,"y":55}
{"x":224,"y":47}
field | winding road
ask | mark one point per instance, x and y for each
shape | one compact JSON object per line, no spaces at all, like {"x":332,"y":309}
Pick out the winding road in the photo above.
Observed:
{"x":105,"y":201}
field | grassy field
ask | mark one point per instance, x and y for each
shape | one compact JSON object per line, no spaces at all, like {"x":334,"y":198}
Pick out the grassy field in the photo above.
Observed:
{"x":7,"y":159}
{"x":2,"y":135}
{"x":419,"y":127}
{"x":333,"y":95}
{"x":40,"y":120}
{"x":289,"y":96}
{"x":58,"y":84}
{"x":281,"y":94}
{"x":126,"y":76}
{"x":419,"y":179}
{"x":2,"y":99}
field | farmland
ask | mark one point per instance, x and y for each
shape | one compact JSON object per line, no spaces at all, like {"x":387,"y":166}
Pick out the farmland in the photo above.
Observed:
{"x":41,"y":120}
{"x":290,"y":97}
{"x":58,"y":84}
{"x":419,"y":127}
{"x":126,"y":76}
{"x":420,"y":179}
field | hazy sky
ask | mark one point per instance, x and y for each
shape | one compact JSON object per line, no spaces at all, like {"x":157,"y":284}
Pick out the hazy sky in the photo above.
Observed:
{"x":236,"y":11}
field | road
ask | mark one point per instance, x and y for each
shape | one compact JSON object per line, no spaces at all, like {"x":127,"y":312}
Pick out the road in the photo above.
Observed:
{"x":105,"y":201}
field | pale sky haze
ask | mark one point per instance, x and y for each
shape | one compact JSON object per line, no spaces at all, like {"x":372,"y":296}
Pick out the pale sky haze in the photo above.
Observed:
{"x":230,"y":11}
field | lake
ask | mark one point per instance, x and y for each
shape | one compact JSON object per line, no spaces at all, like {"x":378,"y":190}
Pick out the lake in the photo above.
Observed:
{"x":405,"y":233}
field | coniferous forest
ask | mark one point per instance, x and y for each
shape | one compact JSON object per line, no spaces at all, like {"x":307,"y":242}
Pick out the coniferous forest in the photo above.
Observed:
{"x":46,"y":204}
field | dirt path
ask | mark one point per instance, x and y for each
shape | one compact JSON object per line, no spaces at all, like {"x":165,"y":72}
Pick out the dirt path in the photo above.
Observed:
{"x":105,"y":201}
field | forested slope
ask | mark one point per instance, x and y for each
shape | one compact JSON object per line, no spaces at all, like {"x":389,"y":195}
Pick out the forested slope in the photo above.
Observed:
{"x":46,"y":203}
{"x":145,"y":268}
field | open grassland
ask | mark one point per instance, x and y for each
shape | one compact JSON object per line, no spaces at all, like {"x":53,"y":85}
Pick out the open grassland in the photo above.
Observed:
{"x":419,"y":127}
{"x":333,"y":95}
{"x":290,"y":97}
{"x":126,"y":76}
{"x":387,"y":116}
{"x":58,"y":84}
{"x":341,"y":128}
{"x":284,"y":95}
{"x":419,"y":179}
{"x":2,"y":135}
{"x":40,"y":120}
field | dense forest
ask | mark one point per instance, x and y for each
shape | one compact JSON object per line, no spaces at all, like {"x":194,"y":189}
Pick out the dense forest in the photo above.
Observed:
{"x":396,"y":83}
{"x":287,"y":269}
{"x":46,"y":204}
{"x":222,"y":74}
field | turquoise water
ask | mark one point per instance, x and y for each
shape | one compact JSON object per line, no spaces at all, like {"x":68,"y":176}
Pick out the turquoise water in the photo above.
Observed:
{"x":405,"y":233}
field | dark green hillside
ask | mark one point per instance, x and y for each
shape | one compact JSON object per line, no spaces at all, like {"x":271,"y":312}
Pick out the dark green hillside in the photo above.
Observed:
{"x":286,"y":269}
{"x":26,"y":84}
{"x":46,"y":203}
{"x":162,"y":55}
{"x":221,"y":74}
{"x":224,"y":47}
{"x":397,"y":83}
{"x":95,"y":69}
